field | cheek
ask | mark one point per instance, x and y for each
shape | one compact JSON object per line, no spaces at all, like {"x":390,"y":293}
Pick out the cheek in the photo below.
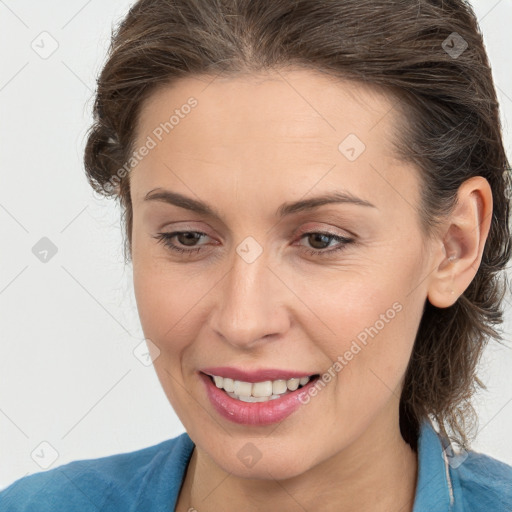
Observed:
{"x":166,"y":301}
{"x":167,"y":315}
{"x":370,"y":333}
{"x":372,"y":319}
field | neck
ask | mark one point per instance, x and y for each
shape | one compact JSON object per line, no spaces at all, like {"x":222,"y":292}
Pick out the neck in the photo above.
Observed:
{"x":377,"y":472}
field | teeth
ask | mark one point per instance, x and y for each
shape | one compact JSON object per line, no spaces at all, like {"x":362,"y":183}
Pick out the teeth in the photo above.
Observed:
{"x":279,"y":387}
{"x":292,"y":384}
{"x":255,"y":399}
{"x":259,"y":391}
{"x":228,"y":384}
{"x":242,"y":388}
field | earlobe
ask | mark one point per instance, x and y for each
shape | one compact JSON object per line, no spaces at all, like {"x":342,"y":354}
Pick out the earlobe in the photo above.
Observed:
{"x":466,"y":229}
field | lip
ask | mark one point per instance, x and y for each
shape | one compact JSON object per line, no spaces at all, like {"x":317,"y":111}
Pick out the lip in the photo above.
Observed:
{"x":254,"y":413}
{"x":254,"y":375}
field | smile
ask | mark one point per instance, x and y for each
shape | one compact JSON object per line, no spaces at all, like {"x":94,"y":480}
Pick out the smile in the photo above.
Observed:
{"x":280,"y":398}
{"x":259,"y":391}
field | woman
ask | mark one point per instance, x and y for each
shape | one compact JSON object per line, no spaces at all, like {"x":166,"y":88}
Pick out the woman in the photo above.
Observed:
{"x":316,"y":209}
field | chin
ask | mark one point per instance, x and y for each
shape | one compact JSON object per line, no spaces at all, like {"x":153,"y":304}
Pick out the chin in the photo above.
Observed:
{"x":259,"y":458}
{"x":275,"y":468}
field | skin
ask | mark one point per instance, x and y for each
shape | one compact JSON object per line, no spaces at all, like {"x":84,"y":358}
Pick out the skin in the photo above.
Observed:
{"x":252,"y":143}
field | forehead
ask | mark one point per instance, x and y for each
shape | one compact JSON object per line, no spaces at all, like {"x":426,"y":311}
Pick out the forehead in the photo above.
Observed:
{"x":292,"y":126}
{"x":300,"y":102}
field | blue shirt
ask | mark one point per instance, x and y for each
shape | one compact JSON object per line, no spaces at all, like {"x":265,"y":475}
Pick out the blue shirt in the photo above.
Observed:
{"x":150,"y":480}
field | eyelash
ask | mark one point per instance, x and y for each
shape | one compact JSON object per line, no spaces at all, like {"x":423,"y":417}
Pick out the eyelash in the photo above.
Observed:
{"x":165,"y":239}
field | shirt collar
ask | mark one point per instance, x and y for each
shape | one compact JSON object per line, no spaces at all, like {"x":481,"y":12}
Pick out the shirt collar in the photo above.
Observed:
{"x":434,"y":489}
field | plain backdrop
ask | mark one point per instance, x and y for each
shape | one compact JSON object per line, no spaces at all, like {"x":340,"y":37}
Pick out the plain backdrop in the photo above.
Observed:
{"x":71,"y":386}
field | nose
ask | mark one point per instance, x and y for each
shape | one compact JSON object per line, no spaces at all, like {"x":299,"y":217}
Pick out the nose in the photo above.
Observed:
{"x":250,"y":304}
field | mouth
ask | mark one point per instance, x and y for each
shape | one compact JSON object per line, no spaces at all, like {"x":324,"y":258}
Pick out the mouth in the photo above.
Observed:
{"x":257,"y":403}
{"x":263,"y":391}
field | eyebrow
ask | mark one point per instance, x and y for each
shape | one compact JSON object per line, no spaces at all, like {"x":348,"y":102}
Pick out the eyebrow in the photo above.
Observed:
{"x":336,"y":197}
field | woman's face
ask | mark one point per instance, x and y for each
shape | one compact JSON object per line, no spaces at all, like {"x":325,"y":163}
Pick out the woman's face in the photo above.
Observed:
{"x":251,"y":293}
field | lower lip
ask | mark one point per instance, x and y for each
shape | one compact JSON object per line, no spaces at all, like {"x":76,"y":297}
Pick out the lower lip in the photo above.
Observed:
{"x":255,"y":413}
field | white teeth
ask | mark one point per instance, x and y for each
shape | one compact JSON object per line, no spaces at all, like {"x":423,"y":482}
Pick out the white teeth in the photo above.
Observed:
{"x":259,"y":391}
{"x":292,"y":384}
{"x":228,"y":385}
{"x":254,"y":399}
{"x":279,"y":387}
{"x":242,"y":388}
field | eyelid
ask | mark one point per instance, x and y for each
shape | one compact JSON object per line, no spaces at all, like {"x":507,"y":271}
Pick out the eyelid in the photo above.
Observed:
{"x":342,"y":243}
{"x":331,"y":230}
{"x":310,"y":227}
{"x":184,"y":226}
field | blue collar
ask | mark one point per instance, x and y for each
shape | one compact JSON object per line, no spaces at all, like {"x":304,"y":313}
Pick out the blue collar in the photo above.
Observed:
{"x":434,"y":488}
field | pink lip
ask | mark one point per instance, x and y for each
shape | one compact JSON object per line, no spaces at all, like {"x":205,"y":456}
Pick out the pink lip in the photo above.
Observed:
{"x":254,"y":375}
{"x":255,"y":413}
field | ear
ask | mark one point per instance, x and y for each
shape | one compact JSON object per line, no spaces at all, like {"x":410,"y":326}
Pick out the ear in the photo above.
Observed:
{"x":463,"y":237}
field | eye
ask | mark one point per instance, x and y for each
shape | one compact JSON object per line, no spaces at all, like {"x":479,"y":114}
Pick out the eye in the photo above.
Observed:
{"x":187,"y":238}
{"x":319,"y":238}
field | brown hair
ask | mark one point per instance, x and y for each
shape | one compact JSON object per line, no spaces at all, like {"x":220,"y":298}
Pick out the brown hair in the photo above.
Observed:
{"x":450,"y":129}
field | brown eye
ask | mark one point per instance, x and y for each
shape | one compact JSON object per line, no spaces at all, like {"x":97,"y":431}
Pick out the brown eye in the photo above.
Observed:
{"x":320,"y":240}
{"x":184,"y":238}
{"x":188,"y":238}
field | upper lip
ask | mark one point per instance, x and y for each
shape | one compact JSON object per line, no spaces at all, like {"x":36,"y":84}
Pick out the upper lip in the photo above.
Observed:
{"x":259,"y":375}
